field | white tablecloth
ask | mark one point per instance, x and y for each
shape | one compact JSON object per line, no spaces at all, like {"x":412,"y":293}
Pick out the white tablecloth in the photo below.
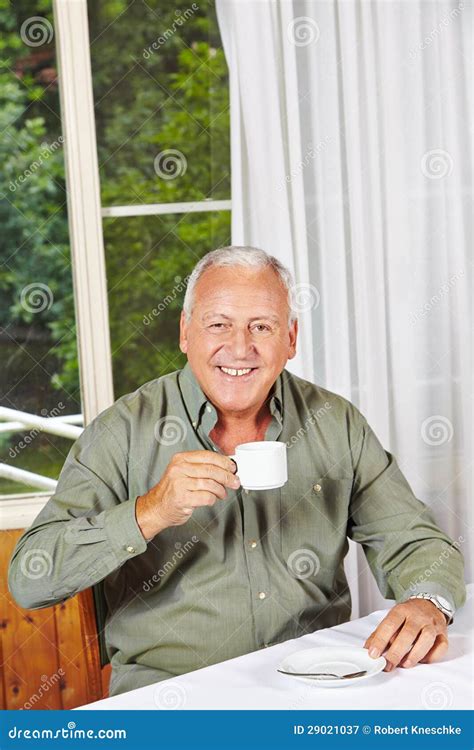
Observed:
{"x":252,"y":682}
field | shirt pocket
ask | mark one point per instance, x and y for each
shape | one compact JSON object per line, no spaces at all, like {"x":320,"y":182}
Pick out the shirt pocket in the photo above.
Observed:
{"x":313,"y":528}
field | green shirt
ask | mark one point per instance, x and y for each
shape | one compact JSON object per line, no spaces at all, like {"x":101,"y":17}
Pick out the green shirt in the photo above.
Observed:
{"x":256,"y":568}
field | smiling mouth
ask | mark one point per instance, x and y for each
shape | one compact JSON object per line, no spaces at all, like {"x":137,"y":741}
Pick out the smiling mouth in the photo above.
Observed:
{"x":236,"y":373}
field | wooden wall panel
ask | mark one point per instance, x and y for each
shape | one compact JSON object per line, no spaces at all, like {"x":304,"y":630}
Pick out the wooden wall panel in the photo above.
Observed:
{"x":70,"y":654}
{"x":49,"y":657}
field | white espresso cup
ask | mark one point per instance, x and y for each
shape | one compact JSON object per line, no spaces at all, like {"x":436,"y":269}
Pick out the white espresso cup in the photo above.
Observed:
{"x":261,"y":465}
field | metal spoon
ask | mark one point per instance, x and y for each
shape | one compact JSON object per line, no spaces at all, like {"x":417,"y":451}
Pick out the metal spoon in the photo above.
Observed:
{"x":325,"y":674}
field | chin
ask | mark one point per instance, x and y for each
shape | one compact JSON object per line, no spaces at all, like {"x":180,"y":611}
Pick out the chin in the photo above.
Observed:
{"x":231,"y":402}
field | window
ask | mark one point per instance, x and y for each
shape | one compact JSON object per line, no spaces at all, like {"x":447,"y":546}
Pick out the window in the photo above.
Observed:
{"x":162,"y":118}
{"x":39,"y":373}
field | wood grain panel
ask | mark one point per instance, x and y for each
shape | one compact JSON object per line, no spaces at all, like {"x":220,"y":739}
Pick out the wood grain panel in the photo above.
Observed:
{"x":49,"y":657}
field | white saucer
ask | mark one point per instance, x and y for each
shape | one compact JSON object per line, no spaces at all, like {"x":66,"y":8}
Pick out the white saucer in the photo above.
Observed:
{"x":335,"y":659}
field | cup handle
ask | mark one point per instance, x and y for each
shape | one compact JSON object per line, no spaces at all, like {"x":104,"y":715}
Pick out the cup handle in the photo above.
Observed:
{"x":234,"y":459}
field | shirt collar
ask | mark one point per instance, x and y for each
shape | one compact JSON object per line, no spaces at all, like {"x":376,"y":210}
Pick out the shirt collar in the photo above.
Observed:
{"x":196,"y":400}
{"x":194,"y":397}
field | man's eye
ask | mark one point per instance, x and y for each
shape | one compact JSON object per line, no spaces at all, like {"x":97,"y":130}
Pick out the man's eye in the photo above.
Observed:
{"x":261,"y":328}
{"x":217,"y":325}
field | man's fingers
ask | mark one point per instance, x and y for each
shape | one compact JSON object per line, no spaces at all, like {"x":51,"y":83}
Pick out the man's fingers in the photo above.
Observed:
{"x":411,"y":633}
{"x":402,"y":644}
{"x":209,"y":485}
{"x":420,"y":648}
{"x":198,"y":498}
{"x":383,"y":634}
{"x":209,"y":457}
{"x":437,"y":651}
{"x":369,"y":640}
{"x":211,"y":471}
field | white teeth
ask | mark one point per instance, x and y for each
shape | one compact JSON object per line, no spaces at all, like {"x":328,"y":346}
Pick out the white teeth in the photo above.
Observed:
{"x":237,"y":373}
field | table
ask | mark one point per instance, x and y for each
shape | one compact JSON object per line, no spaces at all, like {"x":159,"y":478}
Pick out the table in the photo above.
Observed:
{"x":252,"y":682}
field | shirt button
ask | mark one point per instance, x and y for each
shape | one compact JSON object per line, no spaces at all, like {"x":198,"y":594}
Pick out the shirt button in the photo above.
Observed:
{"x":130,"y":549}
{"x":317,"y":488}
{"x":208,"y":408}
{"x":253,"y":543}
{"x":262,"y":595}
{"x":194,"y":424}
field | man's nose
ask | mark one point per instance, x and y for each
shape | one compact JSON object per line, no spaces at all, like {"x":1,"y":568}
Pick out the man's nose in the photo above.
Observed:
{"x":240,"y":344}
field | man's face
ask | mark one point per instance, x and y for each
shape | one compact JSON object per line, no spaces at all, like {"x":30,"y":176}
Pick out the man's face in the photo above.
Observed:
{"x":239,"y":323}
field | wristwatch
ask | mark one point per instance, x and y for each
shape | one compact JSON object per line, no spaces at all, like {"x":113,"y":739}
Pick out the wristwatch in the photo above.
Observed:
{"x":440,"y":602}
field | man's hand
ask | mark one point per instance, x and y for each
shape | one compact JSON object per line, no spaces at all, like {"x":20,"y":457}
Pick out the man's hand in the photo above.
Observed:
{"x":414,"y":631}
{"x":190,"y":480}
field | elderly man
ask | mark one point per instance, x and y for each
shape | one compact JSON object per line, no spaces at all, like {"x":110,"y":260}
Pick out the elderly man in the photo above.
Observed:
{"x":197,"y":570}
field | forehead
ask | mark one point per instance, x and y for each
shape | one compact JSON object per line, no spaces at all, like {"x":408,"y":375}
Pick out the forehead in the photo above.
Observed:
{"x":241,"y":288}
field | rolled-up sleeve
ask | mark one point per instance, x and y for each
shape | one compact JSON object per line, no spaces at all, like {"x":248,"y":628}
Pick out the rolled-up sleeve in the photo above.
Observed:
{"x":406,"y":550}
{"x":85,"y":531}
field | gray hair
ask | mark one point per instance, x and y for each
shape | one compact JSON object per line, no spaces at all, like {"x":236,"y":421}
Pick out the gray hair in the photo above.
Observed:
{"x":237,"y":255}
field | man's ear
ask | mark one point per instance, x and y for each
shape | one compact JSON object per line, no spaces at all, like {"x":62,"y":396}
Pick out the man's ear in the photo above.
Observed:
{"x":293,"y":335}
{"x":183,"y":333}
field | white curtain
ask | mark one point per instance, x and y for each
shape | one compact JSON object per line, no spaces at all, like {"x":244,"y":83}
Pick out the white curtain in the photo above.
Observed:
{"x":351,"y":163}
